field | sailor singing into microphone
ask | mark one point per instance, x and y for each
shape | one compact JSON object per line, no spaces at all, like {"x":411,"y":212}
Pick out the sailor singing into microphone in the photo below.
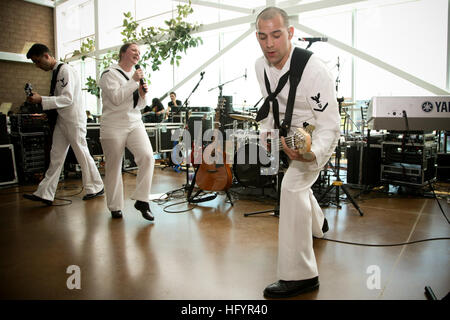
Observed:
{"x":123,"y":96}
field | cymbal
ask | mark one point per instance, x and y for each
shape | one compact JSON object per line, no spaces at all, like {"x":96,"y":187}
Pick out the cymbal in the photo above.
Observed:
{"x":244,"y":117}
{"x":346,"y":104}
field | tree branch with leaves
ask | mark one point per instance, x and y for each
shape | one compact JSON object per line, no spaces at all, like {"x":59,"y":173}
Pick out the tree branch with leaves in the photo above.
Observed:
{"x":163,"y":43}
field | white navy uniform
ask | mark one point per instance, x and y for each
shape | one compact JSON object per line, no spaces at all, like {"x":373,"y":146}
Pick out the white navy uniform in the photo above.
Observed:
{"x":121,"y":126}
{"x":301,"y":217}
{"x":70,"y":129}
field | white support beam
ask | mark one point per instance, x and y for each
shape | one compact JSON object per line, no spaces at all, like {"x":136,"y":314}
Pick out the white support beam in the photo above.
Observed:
{"x":211,"y":60}
{"x":15,"y":57}
{"x":46,"y":3}
{"x":218,"y":6}
{"x":97,"y":42}
{"x":242,"y":20}
{"x":448,"y":47}
{"x":375,"y":61}
{"x":294,"y":10}
{"x":317,"y":5}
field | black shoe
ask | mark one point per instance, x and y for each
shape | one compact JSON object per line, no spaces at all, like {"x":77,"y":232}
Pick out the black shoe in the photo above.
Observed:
{"x":325,"y":225}
{"x":285,"y":289}
{"x":144,"y":208}
{"x":93,"y":195}
{"x":116,"y":214}
{"x":36,"y":198}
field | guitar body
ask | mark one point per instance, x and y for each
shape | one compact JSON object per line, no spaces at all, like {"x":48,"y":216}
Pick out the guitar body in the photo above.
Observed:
{"x":215,"y":176}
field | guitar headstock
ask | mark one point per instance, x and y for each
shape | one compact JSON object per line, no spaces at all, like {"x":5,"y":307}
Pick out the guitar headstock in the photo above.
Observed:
{"x":220,"y":110}
{"x":28,"y":89}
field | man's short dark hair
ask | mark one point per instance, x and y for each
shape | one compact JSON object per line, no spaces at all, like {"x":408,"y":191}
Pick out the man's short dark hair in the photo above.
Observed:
{"x":271,"y":12}
{"x":37,"y":50}
{"x":173,"y":93}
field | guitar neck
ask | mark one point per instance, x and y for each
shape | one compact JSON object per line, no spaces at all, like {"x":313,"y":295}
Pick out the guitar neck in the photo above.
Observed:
{"x":289,"y":142}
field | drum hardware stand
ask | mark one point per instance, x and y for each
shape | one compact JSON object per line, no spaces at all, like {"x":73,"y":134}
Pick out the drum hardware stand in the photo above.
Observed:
{"x":338,"y":182}
{"x":276,"y":210}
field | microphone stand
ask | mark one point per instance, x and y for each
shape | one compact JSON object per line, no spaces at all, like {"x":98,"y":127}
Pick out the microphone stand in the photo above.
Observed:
{"x":220,"y":86}
{"x":185,"y":108}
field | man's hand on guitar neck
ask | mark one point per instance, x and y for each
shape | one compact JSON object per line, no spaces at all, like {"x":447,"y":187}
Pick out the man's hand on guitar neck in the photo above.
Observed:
{"x":35,"y":98}
{"x":294,"y":155}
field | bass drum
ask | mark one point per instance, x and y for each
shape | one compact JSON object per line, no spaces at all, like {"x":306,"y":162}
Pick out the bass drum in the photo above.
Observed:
{"x":248,"y":170}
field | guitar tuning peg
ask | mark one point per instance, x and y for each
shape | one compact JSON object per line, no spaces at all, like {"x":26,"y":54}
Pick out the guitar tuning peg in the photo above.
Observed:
{"x":310,"y":128}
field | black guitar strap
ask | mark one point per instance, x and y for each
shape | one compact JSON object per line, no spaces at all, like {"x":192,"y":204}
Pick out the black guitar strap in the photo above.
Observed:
{"x":299,"y":60}
{"x":135,"y":93}
{"x":52,"y":114}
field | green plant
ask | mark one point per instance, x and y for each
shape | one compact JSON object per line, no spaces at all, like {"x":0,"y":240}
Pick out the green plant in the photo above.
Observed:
{"x":87,"y":46}
{"x":92,"y":87}
{"x":163,"y":43}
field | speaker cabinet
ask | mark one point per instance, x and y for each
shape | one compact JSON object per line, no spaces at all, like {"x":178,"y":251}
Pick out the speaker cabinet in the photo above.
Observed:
{"x":363,"y":164}
{"x":8,"y":173}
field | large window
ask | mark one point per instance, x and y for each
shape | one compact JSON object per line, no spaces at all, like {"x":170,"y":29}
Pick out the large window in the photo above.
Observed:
{"x":409,"y":35}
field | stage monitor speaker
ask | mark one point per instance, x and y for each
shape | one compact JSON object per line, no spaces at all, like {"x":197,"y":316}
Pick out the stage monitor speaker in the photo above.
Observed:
{"x":363,"y":164}
{"x":8,"y":173}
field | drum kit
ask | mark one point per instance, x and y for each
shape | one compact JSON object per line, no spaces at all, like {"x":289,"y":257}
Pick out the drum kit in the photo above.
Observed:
{"x":246,"y":150}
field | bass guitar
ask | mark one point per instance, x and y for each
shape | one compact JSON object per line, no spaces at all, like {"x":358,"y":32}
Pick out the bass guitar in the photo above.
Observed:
{"x":300,"y":141}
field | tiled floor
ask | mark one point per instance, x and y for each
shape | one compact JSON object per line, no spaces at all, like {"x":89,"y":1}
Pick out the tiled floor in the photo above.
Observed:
{"x":213,"y":251}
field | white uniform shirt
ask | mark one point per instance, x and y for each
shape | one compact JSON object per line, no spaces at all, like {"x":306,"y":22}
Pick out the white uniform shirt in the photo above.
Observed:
{"x":117,"y":98}
{"x":67,"y":97}
{"x":315,"y":103}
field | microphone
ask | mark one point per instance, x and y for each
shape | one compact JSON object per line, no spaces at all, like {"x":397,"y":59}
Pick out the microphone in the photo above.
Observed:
{"x":245,"y":75}
{"x":141,"y":81}
{"x":314,"y":39}
{"x":202,"y":73}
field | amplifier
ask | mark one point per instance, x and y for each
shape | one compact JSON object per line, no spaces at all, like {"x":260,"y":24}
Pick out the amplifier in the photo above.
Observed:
{"x":363,"y":163}
{"x":201,"y":109}
{"x":93,"y":139}
{"x":409,"y":174}
{"x":443,"y":167}
{"x":165,"y":136}
{"x":4,"y":138}
{"x":8,"y":174}
{"x":30,"y":155}
{"x":27,"y":123}
{"x":128,"y":158}
{"x":152,"y":132}
{"x":202,"y":121}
